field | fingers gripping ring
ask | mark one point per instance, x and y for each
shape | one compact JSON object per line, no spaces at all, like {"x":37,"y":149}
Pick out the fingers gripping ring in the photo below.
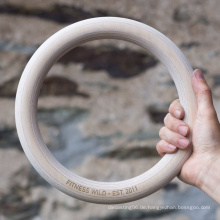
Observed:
{"x":31,"y":82}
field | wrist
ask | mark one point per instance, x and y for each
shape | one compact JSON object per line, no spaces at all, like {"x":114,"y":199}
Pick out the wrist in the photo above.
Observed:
{"x":208,"y":179}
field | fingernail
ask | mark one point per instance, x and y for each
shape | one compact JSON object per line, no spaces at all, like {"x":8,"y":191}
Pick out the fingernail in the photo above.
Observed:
{"x":183,"y":142}
{"x":177,"y":113}
{"x":199,"y":75}
{"x":183,"y":130}
{"x":172,"y":147}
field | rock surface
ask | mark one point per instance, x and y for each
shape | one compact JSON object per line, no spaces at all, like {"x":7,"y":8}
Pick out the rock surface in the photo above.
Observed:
{"x":101,"y":105}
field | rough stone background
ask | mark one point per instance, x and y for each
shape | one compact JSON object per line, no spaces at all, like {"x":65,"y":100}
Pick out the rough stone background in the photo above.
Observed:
{"x":102,"y":104}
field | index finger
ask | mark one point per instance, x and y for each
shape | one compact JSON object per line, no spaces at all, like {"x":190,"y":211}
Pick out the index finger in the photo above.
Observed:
{"x":176,"y":109}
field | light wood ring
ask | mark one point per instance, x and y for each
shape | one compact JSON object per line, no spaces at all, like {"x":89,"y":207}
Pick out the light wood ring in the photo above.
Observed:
{"x":27,"y":97}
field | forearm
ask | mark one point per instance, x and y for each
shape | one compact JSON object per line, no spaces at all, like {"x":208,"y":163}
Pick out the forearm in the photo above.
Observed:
{"x":209,"y":180}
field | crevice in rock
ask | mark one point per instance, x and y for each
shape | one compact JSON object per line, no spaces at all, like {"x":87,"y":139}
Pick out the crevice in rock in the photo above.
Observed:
{"x":52,"y":86}
{"x":203,"y":20}
{"x":13,"y":207}
{"x":158,"y":112}
{"x":59,"y":13}
{"x":9,"y":88}
{"x":59,"y":116}
{"x":23,"y":49}
{"x":181,"y":13}
{"x":131,"y":153}
{"x":119,"y":63}
{"x":59,"y":86}
{"x":171,"y":186}
{"x":189,"y":45}
{"x":142,"y":136}
{"x":216,"y":80}
{"x":9,"y":139}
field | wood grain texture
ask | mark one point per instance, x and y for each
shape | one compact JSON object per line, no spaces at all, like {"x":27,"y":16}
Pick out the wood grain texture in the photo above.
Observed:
{"x":31,"y":82}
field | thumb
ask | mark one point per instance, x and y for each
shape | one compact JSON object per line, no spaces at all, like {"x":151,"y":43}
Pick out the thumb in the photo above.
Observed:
{"x":203,"y":94}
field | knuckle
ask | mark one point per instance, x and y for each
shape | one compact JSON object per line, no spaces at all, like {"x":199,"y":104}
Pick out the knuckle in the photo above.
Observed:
{"x":176,"y":139}
{"x":204,"y":91}
{"x":173,"y":105}
{"x":170,"y":107}
{"x":158,"y":146}
{"x":173,"y":126}
{"x":207,"y":113}
{"x":162,"y":131}
{"x":170,"y":122}
{"x":166,"y":118}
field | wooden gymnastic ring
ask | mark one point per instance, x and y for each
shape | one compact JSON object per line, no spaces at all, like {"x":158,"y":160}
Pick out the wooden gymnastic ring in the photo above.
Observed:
{"x":27,"y":97}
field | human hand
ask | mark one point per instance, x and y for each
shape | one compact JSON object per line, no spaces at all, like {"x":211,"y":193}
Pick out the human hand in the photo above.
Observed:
{"x":203,"y":166}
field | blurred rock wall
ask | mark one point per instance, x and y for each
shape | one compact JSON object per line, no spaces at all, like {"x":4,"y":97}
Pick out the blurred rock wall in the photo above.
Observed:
{"x":101,"y":105}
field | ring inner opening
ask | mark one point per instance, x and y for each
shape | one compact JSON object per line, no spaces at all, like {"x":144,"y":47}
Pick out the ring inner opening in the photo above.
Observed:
{"x":101,"y":107}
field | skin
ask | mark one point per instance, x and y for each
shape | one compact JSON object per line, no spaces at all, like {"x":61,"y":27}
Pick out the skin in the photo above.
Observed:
{"x":202,"y":169}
